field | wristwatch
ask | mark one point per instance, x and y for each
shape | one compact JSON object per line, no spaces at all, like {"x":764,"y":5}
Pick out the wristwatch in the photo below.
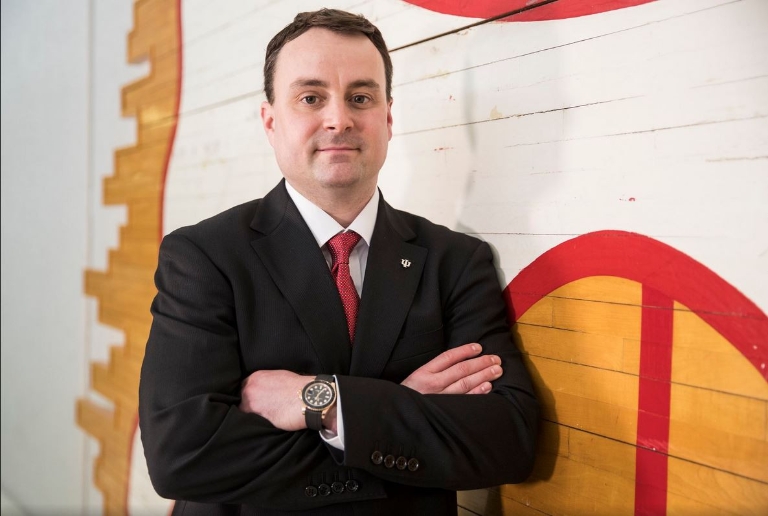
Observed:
{"x":318,"y":396}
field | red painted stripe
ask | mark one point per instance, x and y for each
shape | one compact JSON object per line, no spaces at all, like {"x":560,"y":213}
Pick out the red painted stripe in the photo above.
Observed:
{"x":651,"y":491}
{"x":548,"y":10}
{"x":171,"y":140}
{"x":655,"y":265}
{"x":653,"y":404}
{"x":175,"y":121}
{"x":563,"y":9}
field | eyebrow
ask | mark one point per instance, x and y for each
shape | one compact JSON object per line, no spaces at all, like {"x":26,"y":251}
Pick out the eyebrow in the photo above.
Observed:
{"x":360,"y":83}
{"x":364,"y":83}
{"x":302,"y":83}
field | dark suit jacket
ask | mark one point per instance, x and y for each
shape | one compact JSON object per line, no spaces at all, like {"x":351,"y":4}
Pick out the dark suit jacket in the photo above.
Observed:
{"x":249,"y":290}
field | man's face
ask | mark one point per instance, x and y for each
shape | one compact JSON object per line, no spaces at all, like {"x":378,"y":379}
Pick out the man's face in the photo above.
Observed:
{"x":330,"y":122}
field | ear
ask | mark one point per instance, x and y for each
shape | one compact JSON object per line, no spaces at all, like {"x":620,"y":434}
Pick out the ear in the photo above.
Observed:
{"x":389,"y":118}
{"x":268,"y":120}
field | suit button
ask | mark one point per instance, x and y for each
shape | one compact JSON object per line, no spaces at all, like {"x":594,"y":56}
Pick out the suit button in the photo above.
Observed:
{"x":324,"y":489}
{"x":377,"y":457}
{"x":413,"y":464}
{"x":337,"y":487}
{"x":401,"y":463}
{"x":389,"y":461}
{"x":310,"y":491}
{"x":352,"y":486}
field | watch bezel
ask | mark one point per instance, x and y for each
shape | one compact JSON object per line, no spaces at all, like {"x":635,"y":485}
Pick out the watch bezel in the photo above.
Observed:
{"x":318,"y":408}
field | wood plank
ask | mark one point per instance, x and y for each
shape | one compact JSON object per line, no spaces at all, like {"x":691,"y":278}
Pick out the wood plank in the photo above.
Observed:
{"x":136,"y":161}
{"x":492,"y":157}
{"x":97,"y":420}
{"x":702,"y":357}
{"x":468,"y":82}
{"x":480,"y":46}
{"x":723,"y":450}
{"x":153,"y":29}
{"x":597,"y":318}
{"x":606,"y":454}
{"x":715,"y":410}
{"x":115,"y":387}
{"x":691,"y":485}
{"x":110,"y":284}
{"x":540,"y":314}
{"x":576,"y":488}
{"x":606,"y":386}
{"x":604,"y":289}
{"x":603,"y":351}
{"x":490,"y":502}
{"x":697,"y":489}
{"x":595,"y":400}
{"x":235,"y":32}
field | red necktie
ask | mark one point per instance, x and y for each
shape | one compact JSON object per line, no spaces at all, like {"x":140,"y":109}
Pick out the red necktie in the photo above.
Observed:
{"x":340,"y":246}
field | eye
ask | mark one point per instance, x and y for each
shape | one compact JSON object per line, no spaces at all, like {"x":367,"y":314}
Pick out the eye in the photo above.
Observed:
{"x":310,"y":99}
{"x":360,"y":99}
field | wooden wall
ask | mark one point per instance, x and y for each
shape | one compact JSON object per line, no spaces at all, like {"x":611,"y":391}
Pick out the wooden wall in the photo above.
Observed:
{"x":614,"y":156}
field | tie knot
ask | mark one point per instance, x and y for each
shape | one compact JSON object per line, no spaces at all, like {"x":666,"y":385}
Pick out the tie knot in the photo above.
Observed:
{"x":341,"y":245}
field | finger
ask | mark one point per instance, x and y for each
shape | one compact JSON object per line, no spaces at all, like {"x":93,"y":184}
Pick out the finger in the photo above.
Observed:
{"x":457,"y":372}
{"x":467,"y":383}
{"x":483,"y":388}
{"x":451,"y":357}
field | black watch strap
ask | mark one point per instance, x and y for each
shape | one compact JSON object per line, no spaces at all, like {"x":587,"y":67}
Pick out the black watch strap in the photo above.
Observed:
{"x":314,"y":418}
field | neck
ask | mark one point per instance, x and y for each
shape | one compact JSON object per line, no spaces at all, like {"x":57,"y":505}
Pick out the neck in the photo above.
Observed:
{"x":343,"y":205}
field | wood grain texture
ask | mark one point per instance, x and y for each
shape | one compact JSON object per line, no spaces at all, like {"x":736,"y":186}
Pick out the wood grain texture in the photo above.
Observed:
{"x":586,"y":372}
{"x":125,"y":290}
{"x":650,"y":120}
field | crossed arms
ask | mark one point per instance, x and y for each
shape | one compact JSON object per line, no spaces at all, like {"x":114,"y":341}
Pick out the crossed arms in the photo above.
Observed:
{"x":215,"y":432}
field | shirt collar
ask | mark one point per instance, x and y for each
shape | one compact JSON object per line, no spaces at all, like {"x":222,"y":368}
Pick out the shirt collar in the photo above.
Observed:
{"x":324,"y":227}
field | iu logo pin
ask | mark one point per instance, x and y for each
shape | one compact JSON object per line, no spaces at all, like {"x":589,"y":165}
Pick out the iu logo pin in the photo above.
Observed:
{"x":405,"y":263}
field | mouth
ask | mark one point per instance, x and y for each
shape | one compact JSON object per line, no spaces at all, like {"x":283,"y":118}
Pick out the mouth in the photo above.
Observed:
{"x":337,"y":149}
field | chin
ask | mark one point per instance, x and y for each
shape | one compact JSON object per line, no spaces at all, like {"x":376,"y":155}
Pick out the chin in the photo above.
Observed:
{"x":341,"y":179}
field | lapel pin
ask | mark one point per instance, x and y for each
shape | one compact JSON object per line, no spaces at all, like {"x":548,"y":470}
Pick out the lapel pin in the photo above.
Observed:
{"x":405,"y":263}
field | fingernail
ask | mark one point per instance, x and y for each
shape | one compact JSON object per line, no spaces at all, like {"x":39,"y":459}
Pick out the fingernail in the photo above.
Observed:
{"x":495,"y":359}
{"x":476,"y":348}
{"x":486,"y":387}
{"x":496,"y":370}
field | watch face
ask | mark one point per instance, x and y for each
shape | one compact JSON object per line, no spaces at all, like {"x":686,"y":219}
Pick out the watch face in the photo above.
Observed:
{"x":318,"y":395}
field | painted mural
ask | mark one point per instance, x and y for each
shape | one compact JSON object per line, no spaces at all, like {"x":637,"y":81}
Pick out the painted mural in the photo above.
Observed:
{"x":612,"y":153}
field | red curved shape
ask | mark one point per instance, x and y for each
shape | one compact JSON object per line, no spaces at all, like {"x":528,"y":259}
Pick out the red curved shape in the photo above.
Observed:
{"x":547,"y":10}
{"x":175,"y":121}
{"x":654,"y":265}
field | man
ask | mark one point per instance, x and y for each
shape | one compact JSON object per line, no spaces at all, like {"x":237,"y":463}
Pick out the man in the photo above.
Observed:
{"x":407,"y":394}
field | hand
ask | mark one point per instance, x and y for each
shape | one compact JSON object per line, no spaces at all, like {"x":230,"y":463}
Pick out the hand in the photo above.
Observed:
{"x":274,"y":395}
{"x":456,"y":372}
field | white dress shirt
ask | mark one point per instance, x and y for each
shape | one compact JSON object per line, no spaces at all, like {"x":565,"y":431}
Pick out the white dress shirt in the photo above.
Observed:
{"x":323,"y":228}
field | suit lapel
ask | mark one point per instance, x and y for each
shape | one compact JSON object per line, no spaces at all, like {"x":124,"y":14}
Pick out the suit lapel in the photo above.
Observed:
{"x":388,"y":292}
{"x":290,"y":254}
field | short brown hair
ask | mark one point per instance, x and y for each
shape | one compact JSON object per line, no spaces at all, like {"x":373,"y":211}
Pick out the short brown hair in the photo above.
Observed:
{"x":329,"y":19}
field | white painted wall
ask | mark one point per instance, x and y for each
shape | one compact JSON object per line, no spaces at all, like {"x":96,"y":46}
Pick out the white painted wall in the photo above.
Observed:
{"x":650,"y":119}
{"x":44,"y":194}
{"x":523,"y":183}
{"x":63,"y":64}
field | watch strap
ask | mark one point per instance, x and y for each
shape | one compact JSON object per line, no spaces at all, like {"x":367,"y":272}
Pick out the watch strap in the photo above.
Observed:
{"x":314,"y":418}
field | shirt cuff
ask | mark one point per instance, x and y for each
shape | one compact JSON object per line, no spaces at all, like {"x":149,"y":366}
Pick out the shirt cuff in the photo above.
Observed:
{"x":335,"y":440}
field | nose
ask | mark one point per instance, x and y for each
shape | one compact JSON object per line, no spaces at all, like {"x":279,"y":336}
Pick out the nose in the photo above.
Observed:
{"x":337,"y":116}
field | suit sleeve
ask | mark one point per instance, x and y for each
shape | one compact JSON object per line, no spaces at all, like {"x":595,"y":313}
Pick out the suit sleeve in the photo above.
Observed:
{"x":199,"y":446}
{"x":459,"y":441}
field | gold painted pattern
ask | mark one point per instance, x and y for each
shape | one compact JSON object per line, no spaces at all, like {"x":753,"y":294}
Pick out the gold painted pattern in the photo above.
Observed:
{"x":126,"y":289}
